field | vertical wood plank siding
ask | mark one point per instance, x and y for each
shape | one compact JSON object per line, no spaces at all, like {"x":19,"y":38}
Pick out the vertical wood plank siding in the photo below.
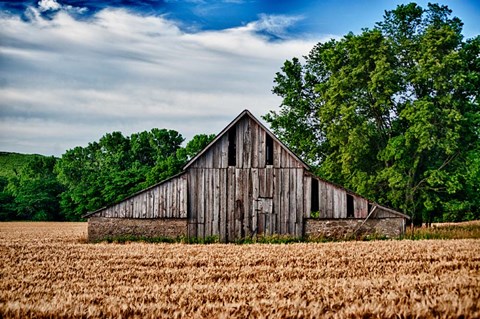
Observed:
{"x":165,"y":200}
{"x":250,"y":198}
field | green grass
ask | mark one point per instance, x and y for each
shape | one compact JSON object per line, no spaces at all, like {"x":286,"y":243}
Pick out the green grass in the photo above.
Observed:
{"x":11,"y":164}
{"x":446,"y":231}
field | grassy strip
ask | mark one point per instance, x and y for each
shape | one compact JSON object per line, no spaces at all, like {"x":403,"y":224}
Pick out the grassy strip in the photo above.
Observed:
{"x":446,"y":231}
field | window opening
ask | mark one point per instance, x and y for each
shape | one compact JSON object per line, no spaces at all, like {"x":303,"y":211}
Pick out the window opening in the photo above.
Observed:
{"x":269,"y":149}
{"x":314,"y":198}
{"x":232,"y":147}
{"x":350,"y":210}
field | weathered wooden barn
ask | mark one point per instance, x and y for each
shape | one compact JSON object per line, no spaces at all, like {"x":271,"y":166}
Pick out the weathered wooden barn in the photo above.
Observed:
{"x":244,"y":183}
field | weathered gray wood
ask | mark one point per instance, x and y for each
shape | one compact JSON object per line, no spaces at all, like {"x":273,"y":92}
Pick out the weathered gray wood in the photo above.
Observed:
{"x":224,"y":153}
{"x":201,"y":204}
{"x":240,"y":129}
{"x":307,"y":195}
{"x":322,"y":199}
{"x":223,"y":209}
{"x":261,"y":148}
{"x":329,"y":204}
{"x":293,"y":201}
{"x":286,"y":196}
{"x":262,"y":182}
{"x":192,"y":203}
{"x":270,"y":217}
{"x":254,"y":132}
{"x":277,"y":199}
{"x":255,"y":196}
{"x":341,"y":203}
{"x":183,"y":199}
{"x":299,"y":207}
{"x":247,"y":199}
{"x":216,"y":203}
{"x":361,"y":207}
{"x":277,"y":154}
{"x":208,"y":202}
{"x":247,"y":145}
{"x":238,"y":203}
{"x":268,"y":182}
{"x":231,"y":204}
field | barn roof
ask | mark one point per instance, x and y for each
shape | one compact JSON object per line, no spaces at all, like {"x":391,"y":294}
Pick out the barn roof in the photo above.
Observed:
{"x":245,"y":113}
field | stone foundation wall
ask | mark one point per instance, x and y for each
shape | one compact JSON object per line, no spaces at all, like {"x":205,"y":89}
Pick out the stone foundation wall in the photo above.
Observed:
{"x":342,"y":228}
{"x":102,"y":227}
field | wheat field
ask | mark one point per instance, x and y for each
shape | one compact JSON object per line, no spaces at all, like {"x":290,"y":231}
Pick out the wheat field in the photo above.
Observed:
{"x":48,"y":270}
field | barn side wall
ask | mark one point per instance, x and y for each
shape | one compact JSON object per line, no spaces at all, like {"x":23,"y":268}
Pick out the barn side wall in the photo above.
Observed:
{"x":100,"y":228}
{"x":165,"y":200}
{"x":342,"y":228}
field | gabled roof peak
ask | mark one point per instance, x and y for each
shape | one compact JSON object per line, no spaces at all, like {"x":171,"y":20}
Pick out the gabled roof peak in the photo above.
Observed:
{"x":244,"y":113}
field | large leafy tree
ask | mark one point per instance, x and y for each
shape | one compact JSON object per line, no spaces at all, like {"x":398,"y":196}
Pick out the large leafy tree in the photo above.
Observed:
{"x":392,"y":113}
{"x":117,"y":166}
{"x":36,"y":191}
{"x":113,"y":168}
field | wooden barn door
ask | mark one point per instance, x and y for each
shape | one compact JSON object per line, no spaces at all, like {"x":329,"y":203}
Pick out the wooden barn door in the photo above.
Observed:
{"x":263,"y":211}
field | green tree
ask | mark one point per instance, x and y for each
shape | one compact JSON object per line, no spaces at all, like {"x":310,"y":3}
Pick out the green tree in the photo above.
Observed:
{"x":391,"y":113}
{"x":116,"y":166}
{"x":36,"y":191}
{"x":7,"y":206}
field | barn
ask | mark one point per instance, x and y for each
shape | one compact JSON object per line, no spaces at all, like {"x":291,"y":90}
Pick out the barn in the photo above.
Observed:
{"x":245,"y":183}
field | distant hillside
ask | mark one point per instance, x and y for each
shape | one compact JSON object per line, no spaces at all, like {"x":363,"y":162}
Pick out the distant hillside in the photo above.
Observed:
{"x":10,"y":163}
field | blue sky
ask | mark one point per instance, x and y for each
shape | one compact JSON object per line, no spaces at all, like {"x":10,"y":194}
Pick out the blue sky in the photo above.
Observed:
{"x":72,"y":70}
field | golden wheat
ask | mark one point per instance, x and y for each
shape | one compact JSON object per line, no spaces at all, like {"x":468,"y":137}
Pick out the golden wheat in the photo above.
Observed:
{"x":48,"y":270}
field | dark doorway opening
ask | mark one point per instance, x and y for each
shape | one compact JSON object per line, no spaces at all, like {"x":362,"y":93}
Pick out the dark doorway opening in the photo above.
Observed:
{"x":314,"y":196}
{"x":350,"y":206}
{"x":269,"y":149}
{"x":232,"y":147}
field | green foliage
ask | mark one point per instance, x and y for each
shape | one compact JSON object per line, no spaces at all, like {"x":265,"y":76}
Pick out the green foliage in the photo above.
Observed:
{"x":7,"y":205}
{"x":11,"y":164}
{"x":35,"y":187}
{"x":34,"y":193}
{"x":116,"y":166}
{"x":392,"y":113}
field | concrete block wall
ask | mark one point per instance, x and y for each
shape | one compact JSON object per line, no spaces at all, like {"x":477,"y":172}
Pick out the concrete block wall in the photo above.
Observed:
{"x":100,"y":228}
{"x":342,"y":228}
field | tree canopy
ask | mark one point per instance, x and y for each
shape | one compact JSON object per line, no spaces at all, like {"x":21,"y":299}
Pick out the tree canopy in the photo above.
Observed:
{"x":87,"y":178}
{"x":391,"y":113}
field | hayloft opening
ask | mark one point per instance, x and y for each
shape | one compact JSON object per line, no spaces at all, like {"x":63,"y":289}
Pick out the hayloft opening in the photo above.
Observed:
{"x":350,"y":209}
{"x":314,"y":196}
{"x":269,"y":149}
{"x":232,"y":147}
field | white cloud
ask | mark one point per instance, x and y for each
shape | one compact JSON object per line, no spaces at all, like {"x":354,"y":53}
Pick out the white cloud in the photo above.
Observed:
{"x":46,"y":5}
{"x":66,"y":82}
{"x":53,"y":5}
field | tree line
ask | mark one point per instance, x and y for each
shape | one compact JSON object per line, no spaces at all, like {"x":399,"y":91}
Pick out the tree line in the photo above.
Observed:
{"x":88,"y":178}
{"x":391,"y":113}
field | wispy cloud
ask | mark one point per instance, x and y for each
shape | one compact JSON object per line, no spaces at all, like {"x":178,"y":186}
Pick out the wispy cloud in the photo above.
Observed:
{"x":65,"y":82}
{"x":276,"y":25}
